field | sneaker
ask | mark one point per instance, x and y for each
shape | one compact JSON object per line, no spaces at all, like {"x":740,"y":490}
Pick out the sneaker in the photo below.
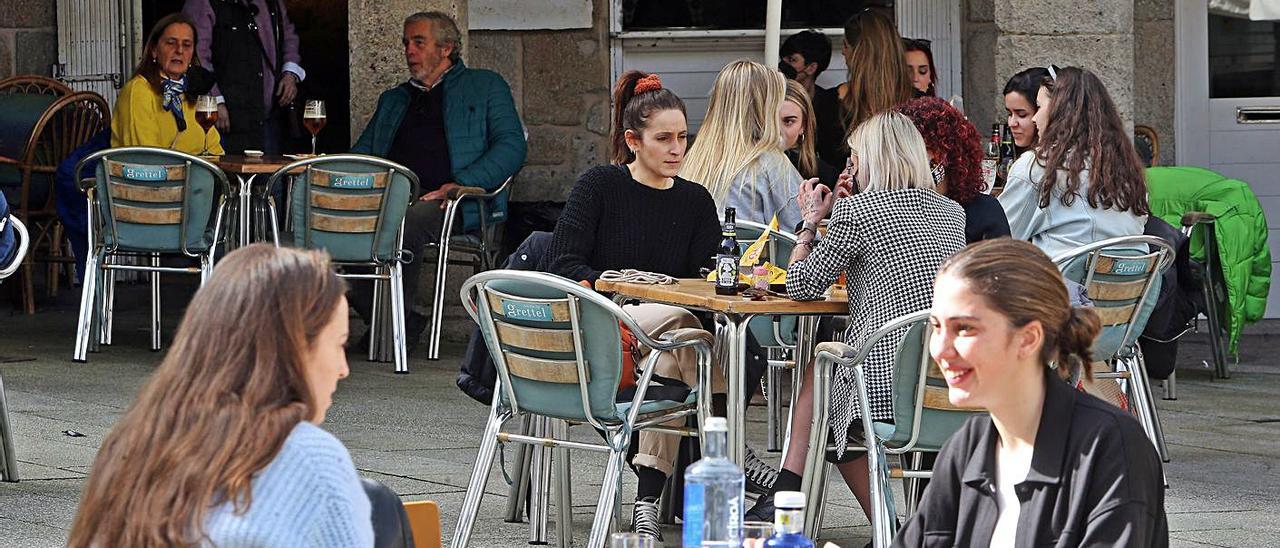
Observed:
{"x":644,"y":519}
{"x":759,"y":475}
{"x":762,"y":510}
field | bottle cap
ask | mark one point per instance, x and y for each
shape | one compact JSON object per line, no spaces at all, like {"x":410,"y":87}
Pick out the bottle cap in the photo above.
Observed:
{"x":788,"y":499}
{"x":716,"y":424}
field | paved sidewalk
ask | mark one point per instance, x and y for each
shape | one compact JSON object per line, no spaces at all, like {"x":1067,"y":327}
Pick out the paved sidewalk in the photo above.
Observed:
{"x":418,"y":434}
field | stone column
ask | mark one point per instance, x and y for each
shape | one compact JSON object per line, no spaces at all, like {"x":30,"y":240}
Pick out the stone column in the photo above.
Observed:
{"x":377,"y":57}
{"x":1096,"y":35}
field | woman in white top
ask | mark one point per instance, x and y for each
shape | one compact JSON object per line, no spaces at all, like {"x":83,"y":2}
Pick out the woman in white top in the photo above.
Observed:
{"x":1084,"y":181}
{"x":738,"y":152}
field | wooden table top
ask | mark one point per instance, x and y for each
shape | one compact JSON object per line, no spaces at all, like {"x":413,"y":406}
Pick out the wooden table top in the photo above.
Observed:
{"x":701,"y":294}
{"x":238,"y":163}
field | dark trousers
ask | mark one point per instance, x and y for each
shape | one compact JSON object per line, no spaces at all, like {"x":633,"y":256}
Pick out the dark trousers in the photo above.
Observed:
{"x":422,"y":225}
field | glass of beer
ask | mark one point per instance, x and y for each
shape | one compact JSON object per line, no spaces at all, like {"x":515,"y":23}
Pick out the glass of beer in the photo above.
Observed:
{"x":206,"y":116}
{"x":313,"y":118}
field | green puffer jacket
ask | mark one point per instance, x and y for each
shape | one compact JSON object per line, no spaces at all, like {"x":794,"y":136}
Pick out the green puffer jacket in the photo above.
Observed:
{"x":1241,"y":233}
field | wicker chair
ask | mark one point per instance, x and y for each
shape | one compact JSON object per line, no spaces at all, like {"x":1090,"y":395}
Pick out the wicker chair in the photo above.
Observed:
{"x":37,"y":85}
{"x":67,"y":122}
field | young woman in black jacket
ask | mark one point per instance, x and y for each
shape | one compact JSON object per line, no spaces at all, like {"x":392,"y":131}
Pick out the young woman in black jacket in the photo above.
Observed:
{"x":1050,"y":466}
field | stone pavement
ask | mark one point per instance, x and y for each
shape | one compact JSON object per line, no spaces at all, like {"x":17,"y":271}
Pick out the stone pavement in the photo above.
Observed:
{"x":418,"y":434}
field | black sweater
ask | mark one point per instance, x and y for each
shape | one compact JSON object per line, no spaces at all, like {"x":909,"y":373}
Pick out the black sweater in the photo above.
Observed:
{"x":612,"y":222}
{"x":984,"y":219}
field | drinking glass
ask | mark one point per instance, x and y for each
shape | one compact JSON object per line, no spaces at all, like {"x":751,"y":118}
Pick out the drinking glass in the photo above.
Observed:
{"x":754,"y":533}
{"x":314,"y":119}
{"x":206,"y":116}
{"x":630,"y":540}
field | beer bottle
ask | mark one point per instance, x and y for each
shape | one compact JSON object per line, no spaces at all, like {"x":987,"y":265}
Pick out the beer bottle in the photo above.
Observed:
{"x":727,"y":256}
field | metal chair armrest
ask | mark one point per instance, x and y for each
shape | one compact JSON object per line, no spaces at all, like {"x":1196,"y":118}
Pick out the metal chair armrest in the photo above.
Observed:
{"x":475,"y":192}
{"x":87,"y":183}
{"x":1192,"y":218}
{"x":836,"y":351}
{"x":684,"y":337}
{"x":24,"y":241}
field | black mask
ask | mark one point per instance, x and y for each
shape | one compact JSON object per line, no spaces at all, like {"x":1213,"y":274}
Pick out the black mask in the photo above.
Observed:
{"x":787,"y":70}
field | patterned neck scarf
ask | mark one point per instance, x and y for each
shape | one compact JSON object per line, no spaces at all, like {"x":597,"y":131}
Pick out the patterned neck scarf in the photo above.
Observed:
{"x":173,"y":100}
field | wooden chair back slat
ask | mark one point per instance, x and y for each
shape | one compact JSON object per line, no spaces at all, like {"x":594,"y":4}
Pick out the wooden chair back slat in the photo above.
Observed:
{"x":541,"y":369}
{"x":147,"y":215}
{"x":334,"y":223}
{"x":149,"y":194}
{"x":346,"y":202}
{"x":1114,"y":315}
{"x":542,"y":340}
{"x":1116,"y":291}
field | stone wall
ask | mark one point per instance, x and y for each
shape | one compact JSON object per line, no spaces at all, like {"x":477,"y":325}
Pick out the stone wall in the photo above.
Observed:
{"x":560,"y":80}
{"x":28,"y":37}
{"x":1154,"y":59}
{"x":982,"y":84}
{"x":1096,"y":35}
{"x":377,"y":57}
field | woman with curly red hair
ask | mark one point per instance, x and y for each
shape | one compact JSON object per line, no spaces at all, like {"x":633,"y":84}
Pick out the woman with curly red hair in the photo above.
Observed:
{"x":955,"y":158}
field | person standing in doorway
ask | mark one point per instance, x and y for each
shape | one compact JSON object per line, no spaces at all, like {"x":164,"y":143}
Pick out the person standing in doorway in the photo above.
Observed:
{"x":252,"y":49}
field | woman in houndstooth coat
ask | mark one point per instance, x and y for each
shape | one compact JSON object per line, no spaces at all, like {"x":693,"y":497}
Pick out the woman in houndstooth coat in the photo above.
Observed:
{"x":889,"y":239}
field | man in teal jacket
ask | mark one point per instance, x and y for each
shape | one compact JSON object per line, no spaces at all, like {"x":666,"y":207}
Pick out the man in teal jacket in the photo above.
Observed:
{"x":452,"y":126}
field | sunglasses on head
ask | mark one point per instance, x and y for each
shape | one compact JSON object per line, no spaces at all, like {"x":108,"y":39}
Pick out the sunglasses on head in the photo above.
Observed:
{"x":917,"y":43}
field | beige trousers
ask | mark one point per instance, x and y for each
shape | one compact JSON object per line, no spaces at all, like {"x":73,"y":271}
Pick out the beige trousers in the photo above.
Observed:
{"x":658,"y":451}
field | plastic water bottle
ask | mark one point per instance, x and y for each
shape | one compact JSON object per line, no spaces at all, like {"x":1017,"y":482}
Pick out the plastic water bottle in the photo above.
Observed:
{"x":713,"y":493}
{"x":788,"y":521}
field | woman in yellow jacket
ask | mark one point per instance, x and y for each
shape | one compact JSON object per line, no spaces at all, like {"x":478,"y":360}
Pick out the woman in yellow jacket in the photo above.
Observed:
{"x":152,"y":109}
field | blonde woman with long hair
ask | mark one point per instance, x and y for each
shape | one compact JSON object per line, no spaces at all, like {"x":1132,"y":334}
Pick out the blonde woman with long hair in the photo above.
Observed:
{"x":796,"y":117}
{"x":879,"y":78}
{"x":738,"y":154}
{"x":888,"y":240}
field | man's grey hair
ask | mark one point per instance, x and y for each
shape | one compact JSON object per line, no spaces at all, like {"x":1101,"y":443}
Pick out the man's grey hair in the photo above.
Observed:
{"x":443,"y":27}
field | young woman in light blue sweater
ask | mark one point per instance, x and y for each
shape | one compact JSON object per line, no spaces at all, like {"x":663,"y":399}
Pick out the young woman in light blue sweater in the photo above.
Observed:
{"x":222,"y":447}
{"x":1083,"y":182}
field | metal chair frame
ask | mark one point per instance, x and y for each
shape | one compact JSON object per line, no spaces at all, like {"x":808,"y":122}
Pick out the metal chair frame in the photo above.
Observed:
{"x":1128,"y":363}
{"x":97,"y":298}
{"x":24,"y":242}
{"x":388,"y":300}
{"x":781,"y":358}
{"x":483,"y":257}
{"x":506,"y":405}
{"x":9,"y":459}
{"x":884,"y":510}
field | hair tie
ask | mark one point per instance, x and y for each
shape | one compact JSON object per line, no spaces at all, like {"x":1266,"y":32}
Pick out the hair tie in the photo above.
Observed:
{"x":649,"y":83}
